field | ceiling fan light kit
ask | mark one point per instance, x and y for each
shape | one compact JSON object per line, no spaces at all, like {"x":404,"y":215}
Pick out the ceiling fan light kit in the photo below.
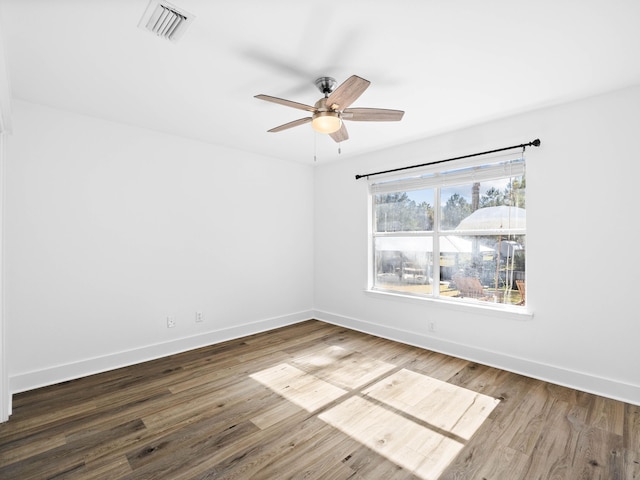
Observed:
{"x":330,"y":111}
{"x":326,"y":122}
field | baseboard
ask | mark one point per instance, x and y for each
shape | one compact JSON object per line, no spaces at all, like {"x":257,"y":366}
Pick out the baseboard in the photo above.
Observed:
{"x":561,"y":376}
{"x":91,"y":366}
{"x":573,"y":379}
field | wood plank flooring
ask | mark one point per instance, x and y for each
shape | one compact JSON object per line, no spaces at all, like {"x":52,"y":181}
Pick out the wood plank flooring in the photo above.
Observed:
{"x":317,"y":401}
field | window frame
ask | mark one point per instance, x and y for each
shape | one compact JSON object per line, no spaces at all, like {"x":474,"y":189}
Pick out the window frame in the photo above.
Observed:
{"x":436,"y":178}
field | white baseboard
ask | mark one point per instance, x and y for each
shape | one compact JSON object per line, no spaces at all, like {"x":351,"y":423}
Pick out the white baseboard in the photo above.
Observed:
{"x":90,"y":366}
{"x":561,"y":376}
{"x":557,"y":375}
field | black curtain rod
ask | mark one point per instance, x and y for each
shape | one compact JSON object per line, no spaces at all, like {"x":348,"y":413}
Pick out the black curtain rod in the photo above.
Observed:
{"x":534,"y":143}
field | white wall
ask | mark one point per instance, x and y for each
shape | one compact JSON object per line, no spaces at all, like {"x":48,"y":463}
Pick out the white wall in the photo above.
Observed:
{"x":582,"y":274}
{"x":5,"y":396}
{"x":111,"y":228}
{"x":5,"y":128}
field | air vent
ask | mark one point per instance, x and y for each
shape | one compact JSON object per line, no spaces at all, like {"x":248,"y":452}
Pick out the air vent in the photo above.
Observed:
{"x":165,"y":20}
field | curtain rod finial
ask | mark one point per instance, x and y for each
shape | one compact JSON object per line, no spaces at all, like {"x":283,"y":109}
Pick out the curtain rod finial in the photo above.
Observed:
{"x":536,"y":142}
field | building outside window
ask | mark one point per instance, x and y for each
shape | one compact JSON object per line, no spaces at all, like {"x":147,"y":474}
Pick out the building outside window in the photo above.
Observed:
{"x":453,"y":233}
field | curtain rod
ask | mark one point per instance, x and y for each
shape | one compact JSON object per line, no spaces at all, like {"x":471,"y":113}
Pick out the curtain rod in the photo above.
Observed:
{"x":534,"y":143}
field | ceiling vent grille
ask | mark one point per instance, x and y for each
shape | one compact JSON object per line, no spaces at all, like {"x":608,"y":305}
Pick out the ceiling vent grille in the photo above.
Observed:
{"x":165,"y":20}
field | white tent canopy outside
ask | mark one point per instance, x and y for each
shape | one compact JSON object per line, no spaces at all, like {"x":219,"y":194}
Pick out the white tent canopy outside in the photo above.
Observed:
{"x":495,"y":218}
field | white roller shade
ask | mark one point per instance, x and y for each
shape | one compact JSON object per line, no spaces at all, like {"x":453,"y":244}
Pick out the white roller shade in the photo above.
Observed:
{"x":476,"y":170}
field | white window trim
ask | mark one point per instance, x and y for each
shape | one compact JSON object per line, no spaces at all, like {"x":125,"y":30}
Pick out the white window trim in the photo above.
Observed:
{"x":480,"y":308}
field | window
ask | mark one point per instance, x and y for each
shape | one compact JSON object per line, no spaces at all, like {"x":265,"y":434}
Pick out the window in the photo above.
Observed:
{"x":456,"y":234}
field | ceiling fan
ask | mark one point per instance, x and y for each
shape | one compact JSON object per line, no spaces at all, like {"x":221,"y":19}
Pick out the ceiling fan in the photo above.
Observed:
{"x":328,"y":113}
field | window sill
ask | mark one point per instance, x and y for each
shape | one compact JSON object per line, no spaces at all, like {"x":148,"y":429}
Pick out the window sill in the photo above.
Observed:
{"x":481,"y":308}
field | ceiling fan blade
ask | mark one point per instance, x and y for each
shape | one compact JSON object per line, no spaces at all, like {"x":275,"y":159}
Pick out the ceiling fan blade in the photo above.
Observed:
{"x":295,"y":123}
{"x":341,"y":135}
{"x":286,"y":103}
{"x":372,"y":115}
{"x":347,"y":92}
{"x":276,"y":62}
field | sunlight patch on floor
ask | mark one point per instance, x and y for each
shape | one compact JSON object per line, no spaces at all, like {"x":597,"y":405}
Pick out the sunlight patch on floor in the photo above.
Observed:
{"x":343,"y":367}
{"x":455,"y":409}
{"x":299,"y":387}
{"x":420,"y":450}
{"x":418,"y":422}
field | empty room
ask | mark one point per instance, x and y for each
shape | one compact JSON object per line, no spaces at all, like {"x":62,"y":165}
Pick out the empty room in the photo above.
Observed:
{"x":284,"y":240}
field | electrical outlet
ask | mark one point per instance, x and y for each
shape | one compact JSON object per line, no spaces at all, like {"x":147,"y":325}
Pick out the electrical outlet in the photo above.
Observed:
{"x":432,"y":326}
{"x":199,"y":317}
{"x":171,"y":322}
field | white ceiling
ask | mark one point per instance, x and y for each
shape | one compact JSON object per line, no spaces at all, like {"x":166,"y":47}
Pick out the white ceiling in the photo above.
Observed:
{"x":447,"y":64}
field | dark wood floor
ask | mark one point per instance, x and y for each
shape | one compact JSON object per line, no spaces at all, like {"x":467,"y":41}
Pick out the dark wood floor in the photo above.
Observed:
{"x":316,"y":401}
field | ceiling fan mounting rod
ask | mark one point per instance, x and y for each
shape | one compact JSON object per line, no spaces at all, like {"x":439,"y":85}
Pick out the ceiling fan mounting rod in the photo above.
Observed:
{"x":326,"y":85}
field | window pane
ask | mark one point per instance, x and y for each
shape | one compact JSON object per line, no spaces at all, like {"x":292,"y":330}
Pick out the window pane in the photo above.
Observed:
{"x":459,"y":202}
{"x":484,"y":268}
{"x":404,"y":264}
{"x":404,"y":211}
